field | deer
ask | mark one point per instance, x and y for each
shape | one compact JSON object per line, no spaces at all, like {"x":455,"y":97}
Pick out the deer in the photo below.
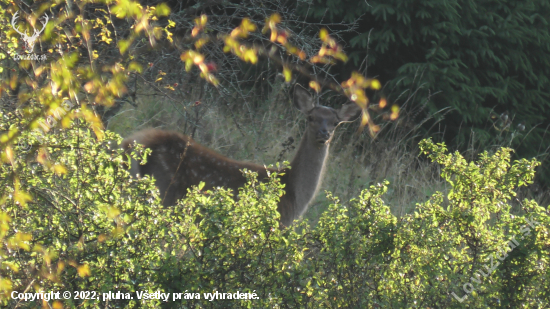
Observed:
{"x":177,"y":162}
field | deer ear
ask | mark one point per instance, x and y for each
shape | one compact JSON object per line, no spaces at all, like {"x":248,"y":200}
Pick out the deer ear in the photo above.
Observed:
{"x":302,"y":99}
{"x":349,"y":112}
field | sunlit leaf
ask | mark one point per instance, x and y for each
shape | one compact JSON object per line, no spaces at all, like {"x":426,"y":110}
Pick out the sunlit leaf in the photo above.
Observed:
{"x":364,"y":119}
{"x":375,"y":84}
{"x":162,"y":9}
{"x":123,"y":46}
{"x":323,"y":34}
{"x":287,"y":73}
{"x":59,"y":169}
{"x":394,"y":112}
{"x":57,"y":305}
{"x":382,"y":103}
{"x":84,"y":270}
{"x":135,"y":66}
{"x":315,"y":86}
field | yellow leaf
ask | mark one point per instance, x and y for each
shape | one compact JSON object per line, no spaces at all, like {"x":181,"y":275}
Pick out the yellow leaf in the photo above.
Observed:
{"x":198,"y":58}
{"x":275,"y":18}
{"x":39,"y":71}
{"x":382,"y":103}
{"x":60,"y":267}
{"x":323,"y":34}
{"x":364,"y":119}
{"x":9,"y":154}
{"x":287,"y":74}
{"x":195,"y":31}
{"x":98,"y":132}
{"x":315,"y":86}
{"x":188,"y":64}
{"x":323,"y":51}
{"x":57,"y":305}
{"x":273,"y":36}
{"x":95,"y":122}
{"x":117,"y":231}
{"x":66,"y":121}
{"x":162,"y":10}
{"x":42,"y":156}
{"x":4,"y":219}
{"x":394,"y":112}
{"x":248,"y":25}
{"x":203,"y":20}
{"x":83,"y":270}
{"x":59,"y":169}
{"x":134,"y":66}
{"x":14,"y":267}
{"x":20,"y":240}
{"x":5,"y":137}
{"x":5,"y":285}
{"x":200,"y":43}
{"x":317,"y":59}
{"x":212,"y":79}
{"x":123,"y":45}
{"x":375,"y":84}
{"x":250,"y":56}
{"x":112,"y":212}
{"x":22,"y":197}
{"x":169,"y":36}
{"x":341,"y":56}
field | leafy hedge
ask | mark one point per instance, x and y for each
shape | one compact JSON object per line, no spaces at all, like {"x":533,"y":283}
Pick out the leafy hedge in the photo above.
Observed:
{"x":77,"y":222}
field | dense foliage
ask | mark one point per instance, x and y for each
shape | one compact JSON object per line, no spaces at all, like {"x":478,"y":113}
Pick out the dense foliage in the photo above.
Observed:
{"x":487,"y":60}
{"x":78,"y":222}
{"x":72,"y":219}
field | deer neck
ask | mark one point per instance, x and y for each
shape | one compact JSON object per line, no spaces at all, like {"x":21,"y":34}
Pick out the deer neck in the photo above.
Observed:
{"x":306,"y":172}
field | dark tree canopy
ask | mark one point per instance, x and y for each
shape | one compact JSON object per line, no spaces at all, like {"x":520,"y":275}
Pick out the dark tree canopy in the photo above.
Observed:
{"x":487,"y":60}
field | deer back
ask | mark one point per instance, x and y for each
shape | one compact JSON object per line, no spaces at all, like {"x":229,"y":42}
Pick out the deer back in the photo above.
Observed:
{"x":178,"y":162}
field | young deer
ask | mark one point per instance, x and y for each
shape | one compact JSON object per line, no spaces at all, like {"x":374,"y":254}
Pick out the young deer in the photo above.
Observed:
{"x":177,"y":162}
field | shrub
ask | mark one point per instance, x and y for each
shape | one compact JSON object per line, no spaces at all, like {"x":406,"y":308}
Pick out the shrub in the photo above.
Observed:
{"x":73,"y":220}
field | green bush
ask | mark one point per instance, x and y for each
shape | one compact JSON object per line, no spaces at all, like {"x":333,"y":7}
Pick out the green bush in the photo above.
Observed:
{"x":80,"y":222}
{"x":73,"y":220}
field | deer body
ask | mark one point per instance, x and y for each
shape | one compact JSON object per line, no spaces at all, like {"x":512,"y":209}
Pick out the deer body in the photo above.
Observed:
{"x":178,"y":162}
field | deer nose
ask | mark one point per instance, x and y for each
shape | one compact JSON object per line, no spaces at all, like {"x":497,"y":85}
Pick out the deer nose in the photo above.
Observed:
{"x":323,"y":134}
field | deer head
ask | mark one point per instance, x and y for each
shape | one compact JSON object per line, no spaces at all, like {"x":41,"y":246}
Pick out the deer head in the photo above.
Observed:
{"x":29,"y":40}
{"x":322,"y":120}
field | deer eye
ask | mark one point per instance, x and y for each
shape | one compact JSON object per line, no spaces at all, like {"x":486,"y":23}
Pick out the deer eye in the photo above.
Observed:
{"x":336,"y":123}
{"x":309,"y":118}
